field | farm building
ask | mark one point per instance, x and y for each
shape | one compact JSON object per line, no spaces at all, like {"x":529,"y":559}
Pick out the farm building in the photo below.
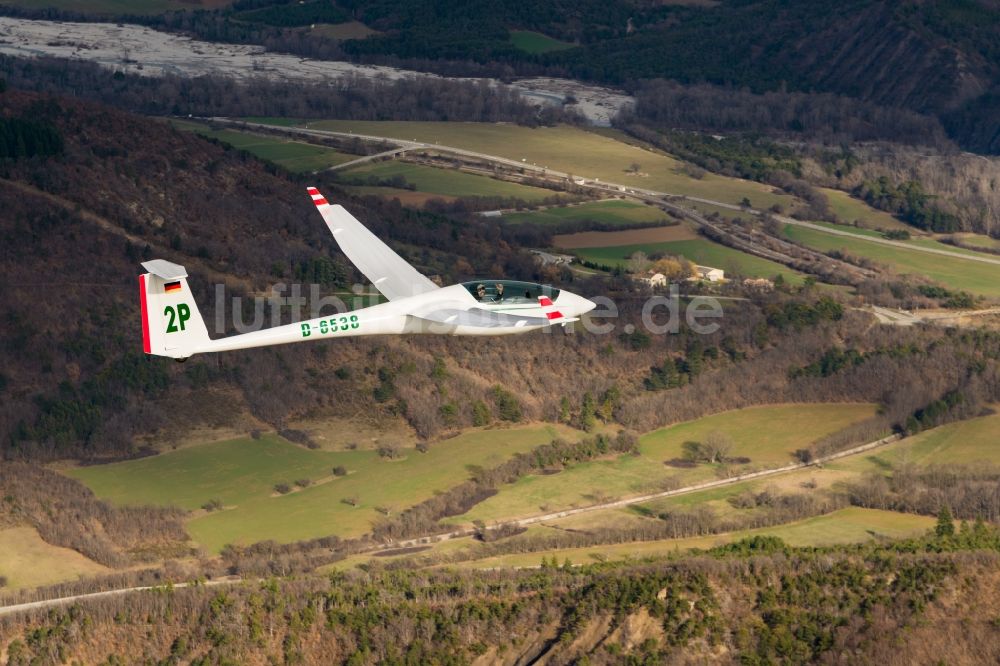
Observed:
{"x":653,"y":279}
{"x":709,"y":274}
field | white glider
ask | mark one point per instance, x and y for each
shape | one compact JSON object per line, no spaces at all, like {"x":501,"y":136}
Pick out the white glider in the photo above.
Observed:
{"x":173,"y":327}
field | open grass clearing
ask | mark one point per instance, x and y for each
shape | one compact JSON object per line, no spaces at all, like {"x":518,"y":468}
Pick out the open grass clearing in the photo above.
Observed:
{"x":849,"y":209}
{"x":849,"y":525}
{"x":953,"y":272}
{"x":242,"y":474}
{"x":536,"y":42}
{"x":977,"y":240}
{"x":448,"y":182}
{"x":570,"y":150}
{"x":699,"y":250}
{"x":603,"y":239}
{"x":343,"y":31}
{"x":295,"y":156}
{"x":971,"y":442}
{"x":28,"y":561}
{"x":766,"y":435}
{"x":406,"y":197}
{"x":606,"y":211}
{"x":346,"y":434}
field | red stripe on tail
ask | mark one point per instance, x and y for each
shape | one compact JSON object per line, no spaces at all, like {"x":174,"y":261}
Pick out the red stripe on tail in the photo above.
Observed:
{"x":145,"y":318}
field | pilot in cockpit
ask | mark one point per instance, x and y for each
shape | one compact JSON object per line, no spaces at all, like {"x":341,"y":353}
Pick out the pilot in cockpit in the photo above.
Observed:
{"x":481,"y":292}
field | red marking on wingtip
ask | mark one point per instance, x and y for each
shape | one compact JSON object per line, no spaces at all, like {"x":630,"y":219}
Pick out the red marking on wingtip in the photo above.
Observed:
{"x":312,"y":190}
{"x":145,"y":319}
{"x":320,"y":202}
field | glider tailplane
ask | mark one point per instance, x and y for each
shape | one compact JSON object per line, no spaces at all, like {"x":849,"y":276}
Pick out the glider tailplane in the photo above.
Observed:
{"x":171,"y":323}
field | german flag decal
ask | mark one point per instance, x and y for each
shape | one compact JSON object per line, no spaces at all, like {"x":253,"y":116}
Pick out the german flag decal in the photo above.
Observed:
{"x":172,"y":287}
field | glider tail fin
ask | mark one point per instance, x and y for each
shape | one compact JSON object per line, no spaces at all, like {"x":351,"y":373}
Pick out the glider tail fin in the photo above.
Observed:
{"x":171,"y":323}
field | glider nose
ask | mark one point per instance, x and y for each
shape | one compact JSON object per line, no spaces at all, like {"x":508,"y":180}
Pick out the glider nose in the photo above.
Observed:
{"x":573,"y":305}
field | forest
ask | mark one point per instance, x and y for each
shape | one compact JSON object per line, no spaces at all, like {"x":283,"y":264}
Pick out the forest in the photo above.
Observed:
{"x":754,"y":601}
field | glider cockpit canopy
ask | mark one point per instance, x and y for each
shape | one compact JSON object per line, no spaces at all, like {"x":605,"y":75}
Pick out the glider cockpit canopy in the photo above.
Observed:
{"x":509,"y":291}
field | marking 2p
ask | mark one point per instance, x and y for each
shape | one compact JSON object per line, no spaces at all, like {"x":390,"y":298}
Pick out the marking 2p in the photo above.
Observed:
{"x":177,"y":318}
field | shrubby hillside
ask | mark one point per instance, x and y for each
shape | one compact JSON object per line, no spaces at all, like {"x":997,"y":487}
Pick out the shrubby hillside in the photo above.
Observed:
{"x":120,"y":188}
{"x":755,"y":601}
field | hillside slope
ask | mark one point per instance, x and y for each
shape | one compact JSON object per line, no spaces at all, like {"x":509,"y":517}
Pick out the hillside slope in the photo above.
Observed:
{"x":121,"y":188}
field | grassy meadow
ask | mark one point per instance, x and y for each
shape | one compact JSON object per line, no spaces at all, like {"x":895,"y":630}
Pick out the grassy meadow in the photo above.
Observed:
{"x":849,"y":525}
{"x":953,"y":272}
{"x":978,"y":240}
{"x":766,"y":435}
{"x":607,"y":211}
{"x":571,"y":150}
{"x":446,"y":182}
{"x":536,"y":42}
{"x":295,"y":156}
{"x":27,"y":561}
{"x":242,"y":473}
{"x":971,"y":442}
{"x":343,"y":31}
{"x":849,"y":209}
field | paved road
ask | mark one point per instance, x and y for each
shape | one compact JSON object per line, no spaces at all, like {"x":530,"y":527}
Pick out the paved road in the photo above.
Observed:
{"x":907,"y":318}
{"x":596,"y":184}
{"x":369,"y":158}
{"x":885,"y":241}
{"x":65,"y":601}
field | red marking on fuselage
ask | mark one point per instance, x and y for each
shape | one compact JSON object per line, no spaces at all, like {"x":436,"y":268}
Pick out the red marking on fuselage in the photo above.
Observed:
{"x":145,"y":318}
{"x":555,"y":314}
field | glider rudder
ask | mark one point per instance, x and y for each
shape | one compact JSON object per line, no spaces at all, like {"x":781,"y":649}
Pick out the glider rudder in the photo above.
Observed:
{"x":171,"y":323}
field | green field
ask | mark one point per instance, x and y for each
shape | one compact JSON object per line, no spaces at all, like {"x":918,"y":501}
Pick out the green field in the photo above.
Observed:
{"x":962,"y":443}
{"x":916,"y":241}
{"x":294,"y":156}
{"x":953,"y":272}
{"x":241,"y":474}
{"x":850,"y":525}
{"x":766,"y":435}
{"x":27,"y":561}
{"x":447,"y":182}
{"x":849,"y":209}
{"x":978,"y":240}
{"x":701,"y":251}
{"x":536,"y":42}
{"x":570,"y":150}
{"x":608,"y":211}
{"x":343,"y":31}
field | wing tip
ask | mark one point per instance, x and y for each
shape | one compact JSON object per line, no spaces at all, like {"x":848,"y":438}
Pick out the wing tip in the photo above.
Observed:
{"x":317,"y":198}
